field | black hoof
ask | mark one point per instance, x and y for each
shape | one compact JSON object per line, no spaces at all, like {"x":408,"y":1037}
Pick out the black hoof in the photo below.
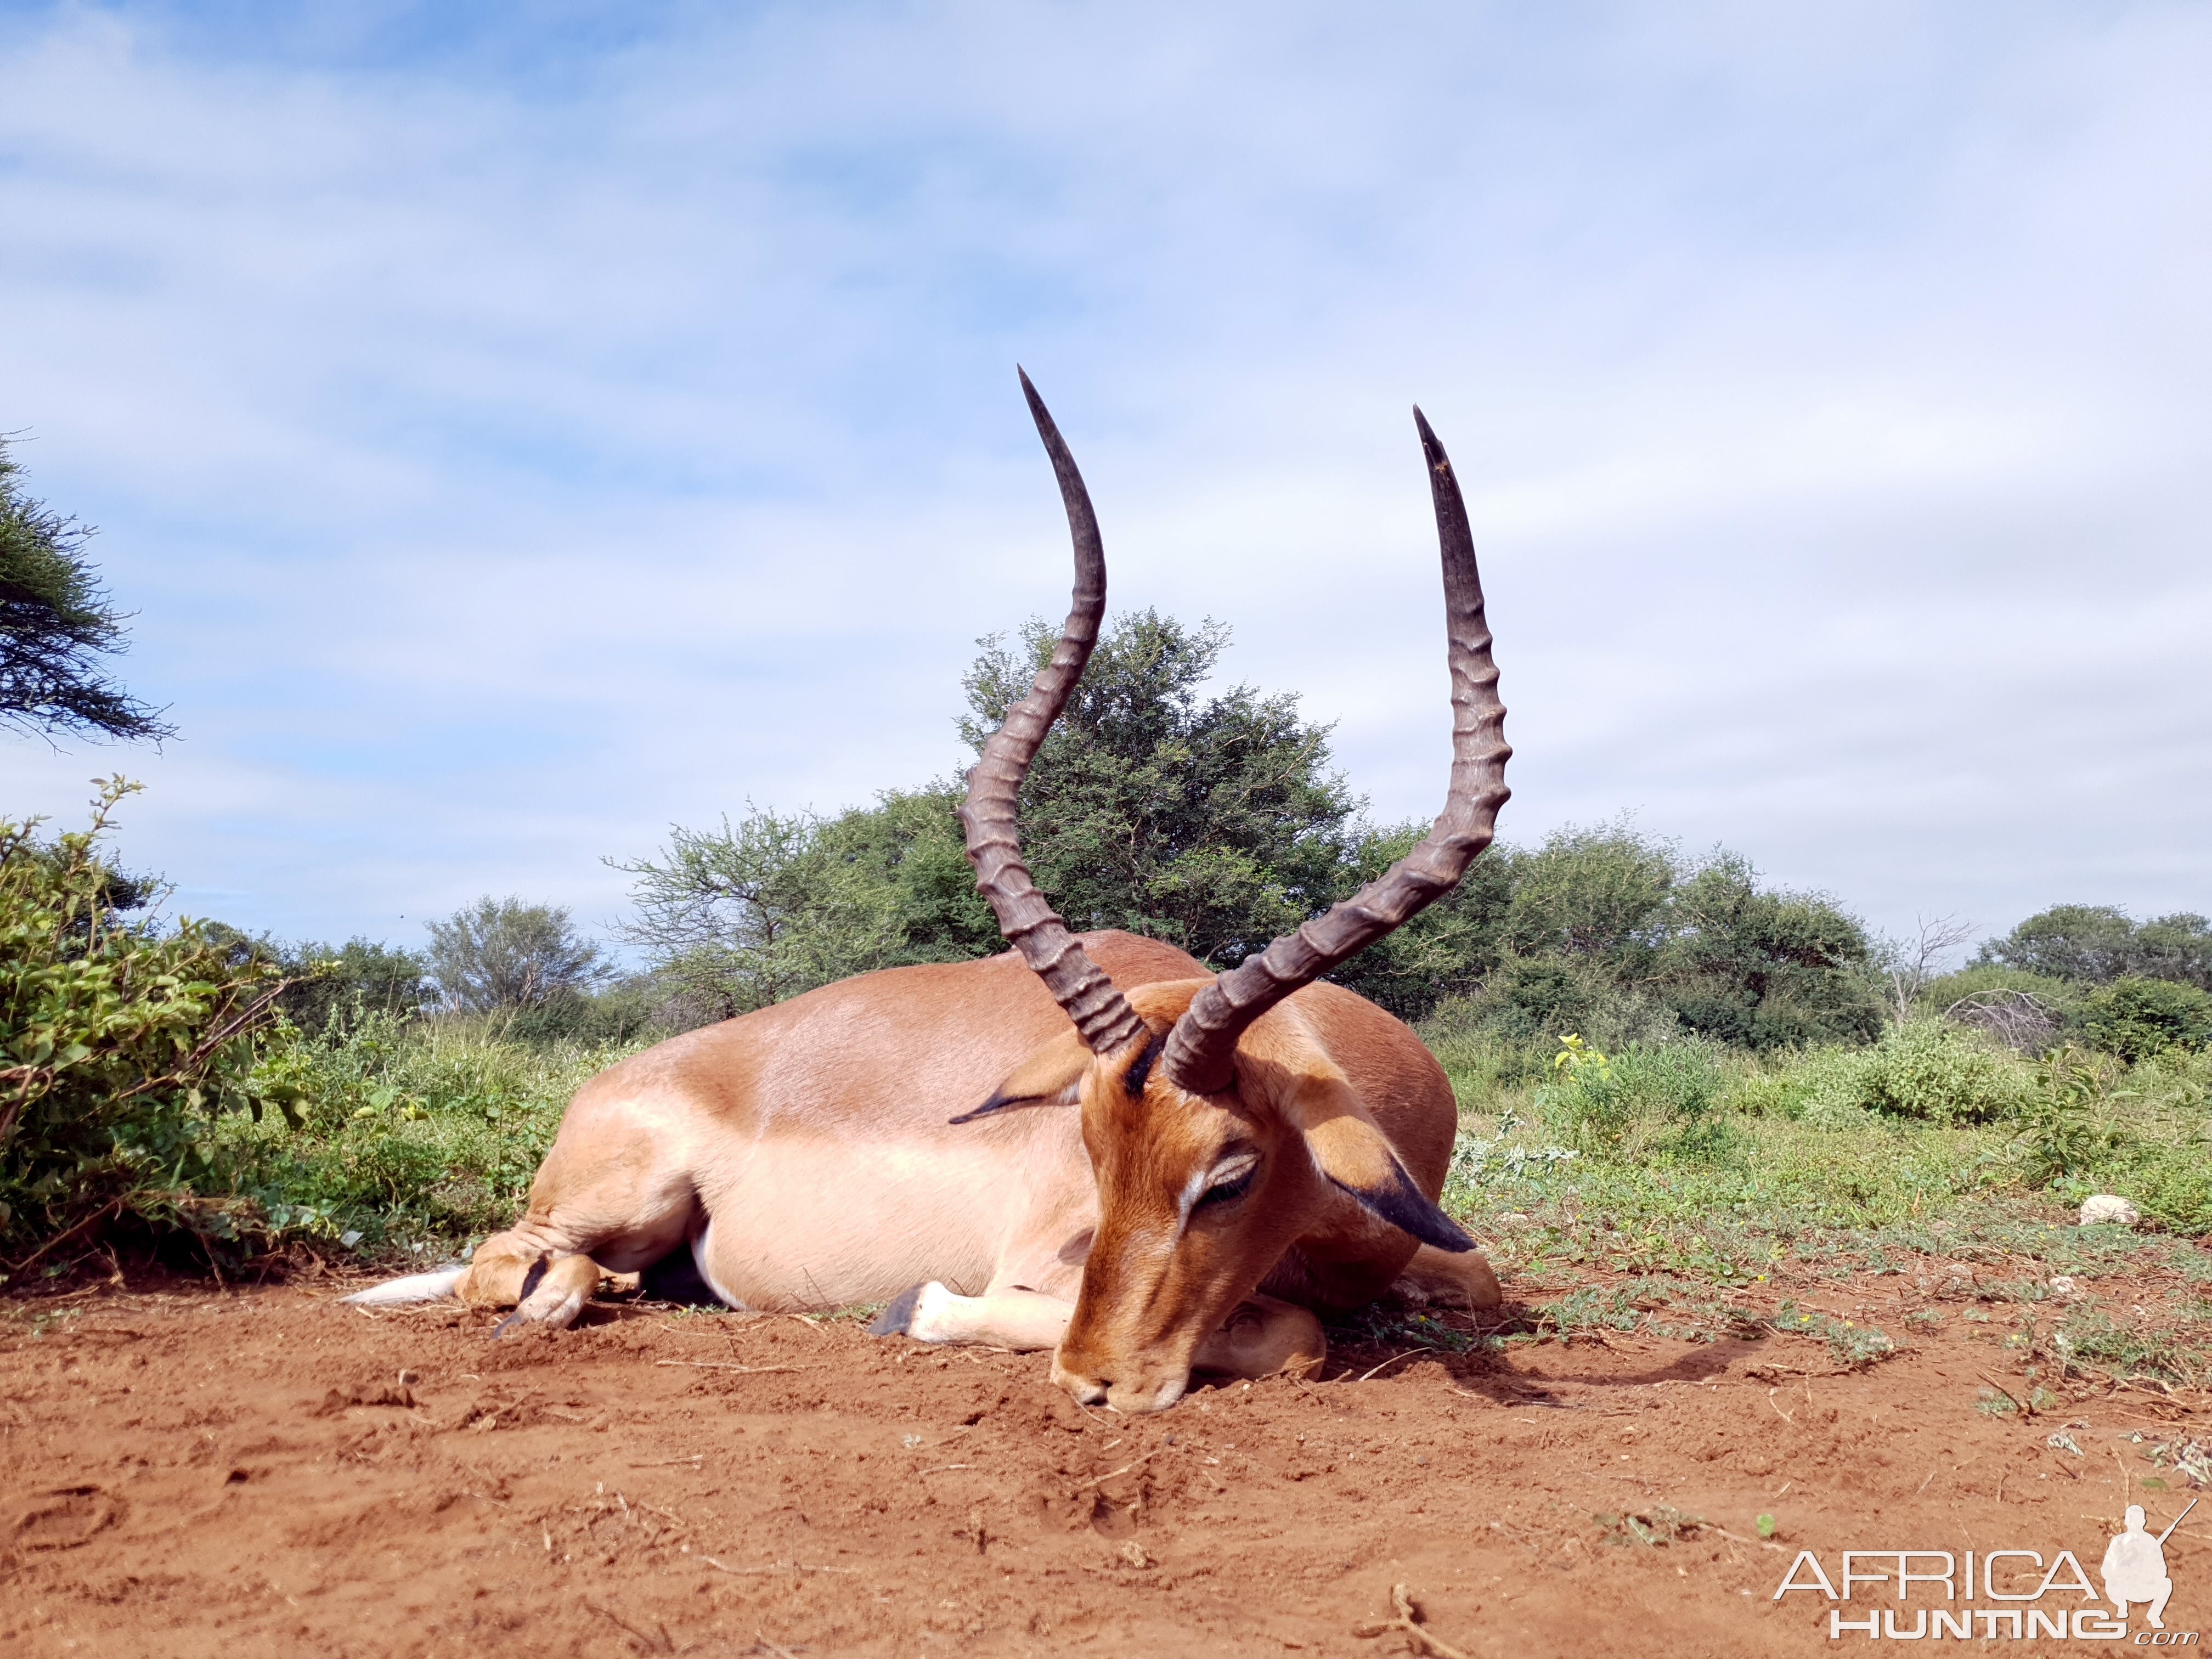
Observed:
{"x":531,"y":1281}
{"x":895,"y":1318}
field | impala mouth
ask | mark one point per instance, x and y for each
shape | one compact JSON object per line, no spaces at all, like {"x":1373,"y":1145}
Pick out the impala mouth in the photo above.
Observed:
{"x":1130,"y":1401}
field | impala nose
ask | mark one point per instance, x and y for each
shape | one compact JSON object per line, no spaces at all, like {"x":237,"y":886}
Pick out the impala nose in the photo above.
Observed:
{"x":1153,"y":1393}
{"x":1087,"y":1390}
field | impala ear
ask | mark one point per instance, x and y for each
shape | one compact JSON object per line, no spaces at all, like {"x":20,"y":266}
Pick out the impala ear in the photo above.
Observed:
{"x":1353,"y":1154}
{"x":1052,"y":1076}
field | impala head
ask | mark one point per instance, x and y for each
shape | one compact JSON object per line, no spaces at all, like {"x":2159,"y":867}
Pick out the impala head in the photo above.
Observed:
{"x":1218,"y":1128}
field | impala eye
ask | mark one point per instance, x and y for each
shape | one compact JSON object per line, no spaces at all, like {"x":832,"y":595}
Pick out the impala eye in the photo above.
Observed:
{"x":1233,"y":1187}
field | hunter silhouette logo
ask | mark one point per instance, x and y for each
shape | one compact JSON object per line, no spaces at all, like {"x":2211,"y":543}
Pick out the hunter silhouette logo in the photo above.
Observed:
{"x":2135,"y":1566}
{"x":2030,"y":1596}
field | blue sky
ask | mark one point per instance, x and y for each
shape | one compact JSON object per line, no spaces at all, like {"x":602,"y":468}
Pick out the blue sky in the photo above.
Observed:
{"x":517,"y":438}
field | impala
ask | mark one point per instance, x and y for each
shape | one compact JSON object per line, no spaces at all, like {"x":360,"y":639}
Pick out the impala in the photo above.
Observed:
{"x":1089,"y":1144}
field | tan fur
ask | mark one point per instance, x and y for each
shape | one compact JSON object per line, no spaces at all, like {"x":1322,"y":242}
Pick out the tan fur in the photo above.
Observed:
{"x":803,"y":1152}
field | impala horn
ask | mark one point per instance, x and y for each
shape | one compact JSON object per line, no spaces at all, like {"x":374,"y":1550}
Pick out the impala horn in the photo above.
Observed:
{"x":1201,"y":1048}
{"x":1102,"y":1014}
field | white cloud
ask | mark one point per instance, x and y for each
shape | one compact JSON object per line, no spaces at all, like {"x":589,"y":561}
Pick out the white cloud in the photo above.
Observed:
{"x":517,"y":442}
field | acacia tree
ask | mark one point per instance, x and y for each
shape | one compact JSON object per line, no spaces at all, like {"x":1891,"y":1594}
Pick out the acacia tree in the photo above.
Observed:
{"x":56,"y":624}
{"x":735,"y":919}
{"x":2099,"y":943}
{"x":504,"y":954}
{"x":1215,"y":823}
{"x":1211,"y":821}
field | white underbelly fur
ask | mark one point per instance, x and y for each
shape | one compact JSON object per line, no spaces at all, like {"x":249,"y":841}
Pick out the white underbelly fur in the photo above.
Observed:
{"x":799,"y":1222}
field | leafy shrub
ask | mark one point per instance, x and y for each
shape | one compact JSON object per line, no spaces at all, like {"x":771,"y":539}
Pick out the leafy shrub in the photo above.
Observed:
{"x":2135,"y":1018}
{"x":117,"y":1041}
{"x":2064,"y":1125}
{"x":1763,"y":970}
{"x":429,"y":1132}
{"x":1595,"y":893}
{"x":1942,"y":992}
{"x":1602,"y":1100}
{"x":357,"y":975}
{"x":1676,"y":1081}
{"x":503,"y":953}
{"x":1537,"y":999}
{"x":1938,"y":1073}
{"x":1928,"y":1070}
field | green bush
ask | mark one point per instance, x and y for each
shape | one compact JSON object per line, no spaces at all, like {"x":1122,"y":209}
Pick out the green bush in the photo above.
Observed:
{"x":1602,"y":1101}
{"x":1536,"y":1000}
{"x":2135,"y":1018}
{"x":1938,"y":1073}
{"x":430,"y":1131}
{"x":1761,"y":970}
{"x":1930,"y":1071}
{"x":119,"y":1042}
{"x":1942,"y":993}
{"x":2065,"y":1125}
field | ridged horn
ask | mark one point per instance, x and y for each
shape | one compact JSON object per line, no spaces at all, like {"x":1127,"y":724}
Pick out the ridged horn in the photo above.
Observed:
{"x":1201,"y":1047}
{"x":1102,"y":1014}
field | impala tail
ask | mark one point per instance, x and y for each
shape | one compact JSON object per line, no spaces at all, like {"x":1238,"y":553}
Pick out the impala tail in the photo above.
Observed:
{"x":441,"y":1285}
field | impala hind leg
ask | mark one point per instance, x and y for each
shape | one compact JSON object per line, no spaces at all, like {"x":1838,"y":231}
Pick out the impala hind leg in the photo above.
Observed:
{"x":606,"y":1200}
{"x":549,"y":1289}
{"x":1263,"y":1336}
{"x":1464,"y":1278}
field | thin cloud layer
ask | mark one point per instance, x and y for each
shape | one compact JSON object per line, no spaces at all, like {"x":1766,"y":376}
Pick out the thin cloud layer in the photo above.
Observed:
{"x":519,"y":439}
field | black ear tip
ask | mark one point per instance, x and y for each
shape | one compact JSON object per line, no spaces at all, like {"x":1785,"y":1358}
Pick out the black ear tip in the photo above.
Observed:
{"x":996,"y":1103}
{"x":1447,"y":1235}
{"x":1405,"y":1207}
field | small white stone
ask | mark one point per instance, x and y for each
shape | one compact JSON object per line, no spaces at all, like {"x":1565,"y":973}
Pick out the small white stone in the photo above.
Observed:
{"x":2064,"y":1288}
{"x":2105,"y":1207}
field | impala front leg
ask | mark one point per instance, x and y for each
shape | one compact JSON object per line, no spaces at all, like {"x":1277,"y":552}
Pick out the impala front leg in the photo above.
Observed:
{"x":1261,"y":1337}
{"x":1024,"y":1321}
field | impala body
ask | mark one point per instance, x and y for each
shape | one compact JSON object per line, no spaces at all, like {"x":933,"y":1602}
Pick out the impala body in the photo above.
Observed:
{"x":1091,"y":1144}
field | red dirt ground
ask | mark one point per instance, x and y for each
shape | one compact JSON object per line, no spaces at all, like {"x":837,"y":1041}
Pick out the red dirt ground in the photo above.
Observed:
{"x":245,"y":1473}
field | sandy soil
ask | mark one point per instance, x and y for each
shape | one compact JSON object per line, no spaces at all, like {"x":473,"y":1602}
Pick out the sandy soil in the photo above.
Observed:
{"x":194,"y":1472}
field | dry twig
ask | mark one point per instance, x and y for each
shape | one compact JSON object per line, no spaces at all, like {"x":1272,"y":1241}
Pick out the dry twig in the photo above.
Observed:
{"x":1424,"y":1348}
{"x":1408,"y":1619}
{"x":662,"y":1643}
{"x":730,"y":1365}
{"x":1101,"y":1479}
{"x":2023,"y":1405}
